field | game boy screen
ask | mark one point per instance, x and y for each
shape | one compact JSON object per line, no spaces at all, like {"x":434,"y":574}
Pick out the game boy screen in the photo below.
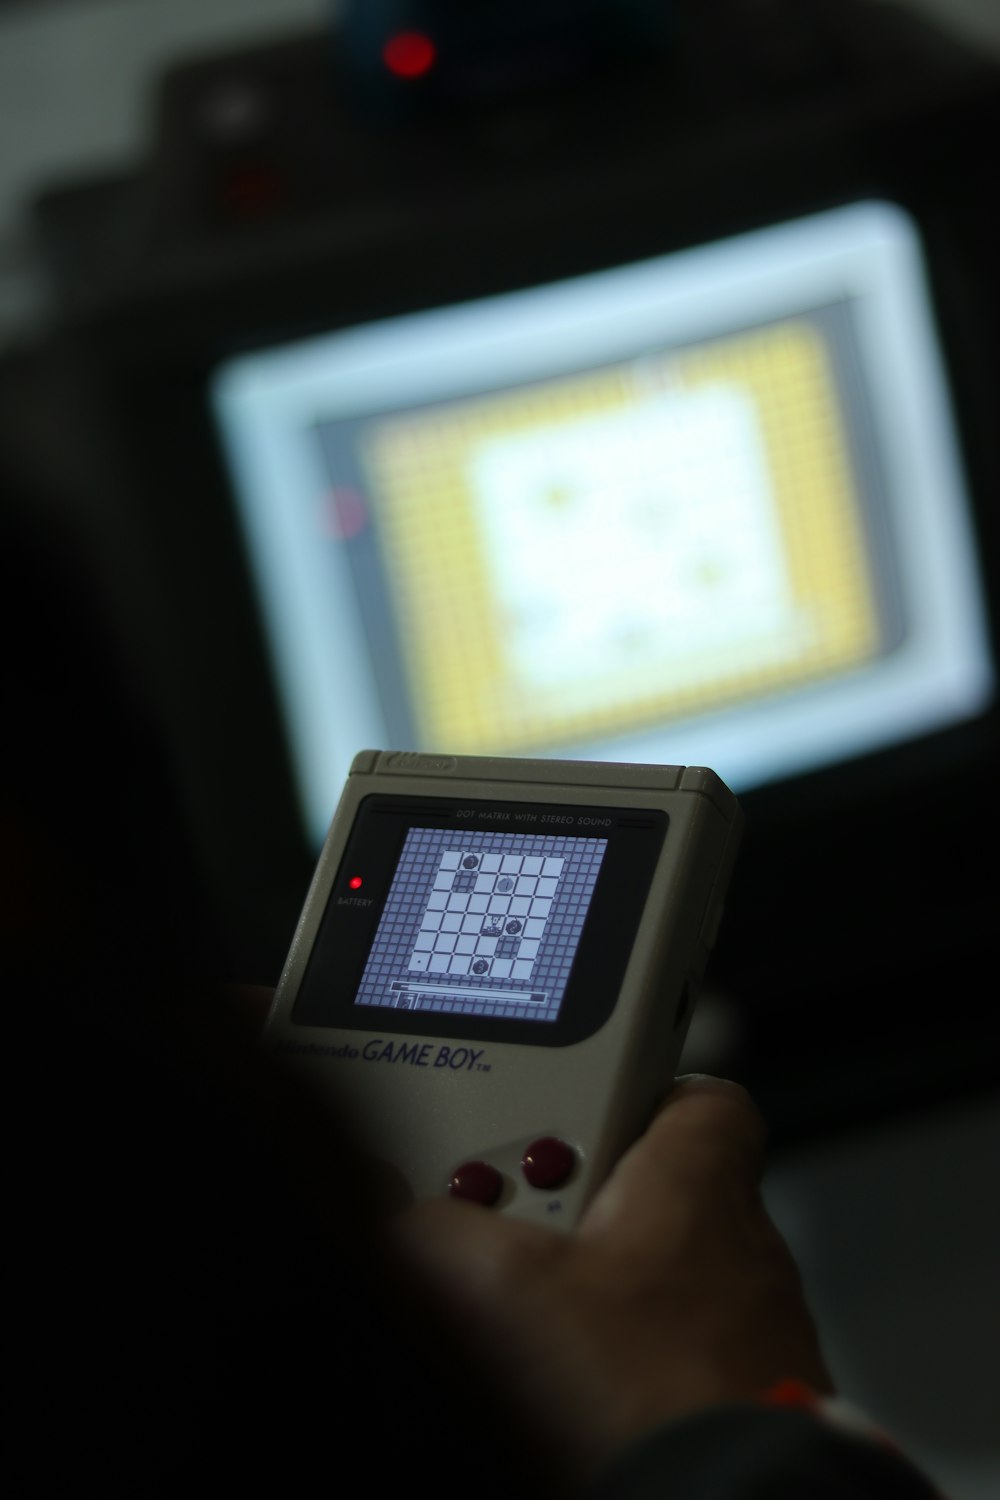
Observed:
{"x":482,"y":923}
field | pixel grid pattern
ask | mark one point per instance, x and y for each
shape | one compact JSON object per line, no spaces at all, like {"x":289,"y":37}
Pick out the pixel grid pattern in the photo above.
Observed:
{"x":485,"y":926}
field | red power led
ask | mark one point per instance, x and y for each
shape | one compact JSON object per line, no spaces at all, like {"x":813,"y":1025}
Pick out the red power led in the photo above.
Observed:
{"x":409,"y":54}
{"x":355,"y":882}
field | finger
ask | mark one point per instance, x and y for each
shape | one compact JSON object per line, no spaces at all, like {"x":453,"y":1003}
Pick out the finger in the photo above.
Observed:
{"x":725,"y":1117}
{"x":468,"y":1251}
{"x":702,"y":1154}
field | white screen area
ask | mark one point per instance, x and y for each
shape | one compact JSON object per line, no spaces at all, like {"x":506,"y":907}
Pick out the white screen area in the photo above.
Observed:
{"x":482,"y":924}
{"x":703,"y":509}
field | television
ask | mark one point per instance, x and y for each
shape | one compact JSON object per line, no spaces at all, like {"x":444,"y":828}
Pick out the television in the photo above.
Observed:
{"x":516,"y":432}
{"x":706,"y":508}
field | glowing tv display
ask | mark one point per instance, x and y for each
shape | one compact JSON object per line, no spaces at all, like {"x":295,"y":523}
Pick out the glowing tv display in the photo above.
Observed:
{"x":706,"y":508}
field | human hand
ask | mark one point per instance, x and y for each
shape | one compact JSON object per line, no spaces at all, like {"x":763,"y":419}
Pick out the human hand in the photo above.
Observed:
{"x":676,"y":1291}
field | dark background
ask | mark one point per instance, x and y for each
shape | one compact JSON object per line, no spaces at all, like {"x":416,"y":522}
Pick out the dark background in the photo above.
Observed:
{"x":266,"y":189}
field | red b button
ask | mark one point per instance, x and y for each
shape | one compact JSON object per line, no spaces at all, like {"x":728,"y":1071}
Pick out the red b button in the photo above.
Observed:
{"x":548,"y":1162}
{"x":477,"y":1182}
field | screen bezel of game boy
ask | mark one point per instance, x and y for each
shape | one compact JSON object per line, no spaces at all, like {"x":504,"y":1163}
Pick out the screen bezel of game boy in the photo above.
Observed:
{"x":332,"y":977}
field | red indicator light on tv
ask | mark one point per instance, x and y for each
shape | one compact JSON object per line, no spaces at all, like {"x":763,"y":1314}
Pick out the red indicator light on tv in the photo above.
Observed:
{"x":355,"y":882}
{"x":409,"y":54}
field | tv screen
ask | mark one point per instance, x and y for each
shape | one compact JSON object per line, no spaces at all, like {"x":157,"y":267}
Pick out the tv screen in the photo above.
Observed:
{"x":703,"y":508}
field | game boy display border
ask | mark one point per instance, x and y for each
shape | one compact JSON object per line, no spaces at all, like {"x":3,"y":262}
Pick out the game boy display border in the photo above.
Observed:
{"x":329,"y":986}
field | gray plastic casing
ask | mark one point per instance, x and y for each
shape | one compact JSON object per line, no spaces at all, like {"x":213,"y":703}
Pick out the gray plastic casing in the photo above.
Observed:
{"x":598,"y":1094}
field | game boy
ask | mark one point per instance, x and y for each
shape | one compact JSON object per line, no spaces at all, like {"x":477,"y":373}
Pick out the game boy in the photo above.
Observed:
{"x":497,"y":962}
